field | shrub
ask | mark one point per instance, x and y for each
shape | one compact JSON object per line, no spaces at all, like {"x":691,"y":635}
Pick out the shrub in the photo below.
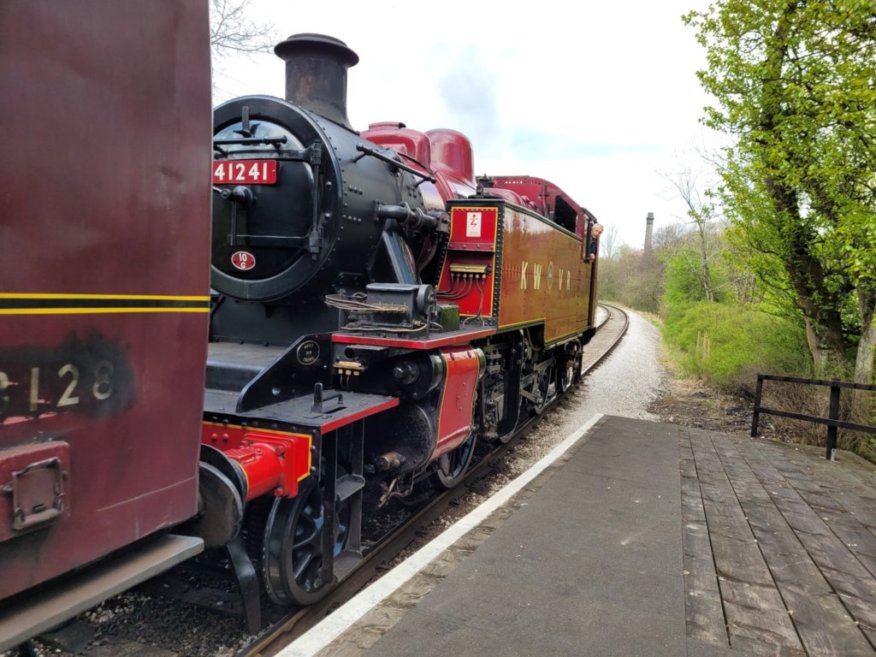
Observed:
{"x":728,"y":344}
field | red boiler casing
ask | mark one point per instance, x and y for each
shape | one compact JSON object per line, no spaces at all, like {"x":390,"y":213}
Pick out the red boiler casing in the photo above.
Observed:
{"x":104,"y":258}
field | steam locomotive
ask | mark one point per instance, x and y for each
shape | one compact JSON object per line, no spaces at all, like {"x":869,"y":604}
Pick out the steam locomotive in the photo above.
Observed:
{"x":376,"y":310}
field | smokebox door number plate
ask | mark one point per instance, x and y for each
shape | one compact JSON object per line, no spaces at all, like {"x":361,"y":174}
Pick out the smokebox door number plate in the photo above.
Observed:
{"x":245,"y":172}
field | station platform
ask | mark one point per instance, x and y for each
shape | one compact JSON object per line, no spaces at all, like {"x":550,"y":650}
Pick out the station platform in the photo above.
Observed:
{"x":642,"y":539}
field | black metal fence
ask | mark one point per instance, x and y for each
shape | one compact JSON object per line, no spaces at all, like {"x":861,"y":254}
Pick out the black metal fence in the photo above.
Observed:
{"x":832,"y":420}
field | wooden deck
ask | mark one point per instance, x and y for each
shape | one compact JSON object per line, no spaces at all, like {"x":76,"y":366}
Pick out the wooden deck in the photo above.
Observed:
{"x":779,"y":547}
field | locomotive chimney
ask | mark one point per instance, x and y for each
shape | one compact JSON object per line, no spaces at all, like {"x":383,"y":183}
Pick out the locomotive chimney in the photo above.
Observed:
{"x":316,"y":74}
{"x":649,"y":229}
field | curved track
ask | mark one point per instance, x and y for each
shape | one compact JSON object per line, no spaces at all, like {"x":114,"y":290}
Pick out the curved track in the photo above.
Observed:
{"x":287,"y":629}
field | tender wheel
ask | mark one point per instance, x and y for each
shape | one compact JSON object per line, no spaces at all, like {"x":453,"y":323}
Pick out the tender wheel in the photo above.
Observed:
{"x":292,"y":553}
{"x":542,"y":389}
{"x":569,"y":373}
{"x":451,"y":467}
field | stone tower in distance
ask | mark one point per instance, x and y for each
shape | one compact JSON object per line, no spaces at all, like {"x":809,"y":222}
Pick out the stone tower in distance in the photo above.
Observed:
{"x":649,"y":230}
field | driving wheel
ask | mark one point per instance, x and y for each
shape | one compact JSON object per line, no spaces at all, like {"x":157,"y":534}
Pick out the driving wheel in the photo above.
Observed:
{"x":293,"y":547}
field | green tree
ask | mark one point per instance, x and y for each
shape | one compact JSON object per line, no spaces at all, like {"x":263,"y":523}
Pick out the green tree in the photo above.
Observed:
{"x":795,"y":83}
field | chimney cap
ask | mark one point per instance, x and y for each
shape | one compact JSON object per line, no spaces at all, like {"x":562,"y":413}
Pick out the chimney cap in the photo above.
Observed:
{"x":310,"y":42}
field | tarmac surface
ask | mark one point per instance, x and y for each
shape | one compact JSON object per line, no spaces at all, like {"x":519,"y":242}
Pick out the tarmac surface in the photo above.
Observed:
{"x":645,"y":539}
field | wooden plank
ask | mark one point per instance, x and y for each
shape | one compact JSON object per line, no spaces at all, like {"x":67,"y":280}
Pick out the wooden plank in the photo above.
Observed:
{"x":798,"y":555}
{"x":824,"y":625}
{"x":712,"y":492}
{"x":704,"y":621}
{"x":782,"y":534}
{"x":727,"y":519}
{"x":769,"y":627}
{"x":753,"y":596}
{"x":693,"y":510}
{"x":768,"y":476}
{"x":853,"y":586}
{"x":791,"y":565}
{"x":704,"y":612}
{"x":871,"y":636}
{"x":763,"y":515}
{"x":820,"y":500}
{"x":743,"y":645}
{"x":740,"y":560}
{"x":695,"y":540}
{"x":858,"y":594}
{"x":861,"y":504}
{"x":802,"y":518}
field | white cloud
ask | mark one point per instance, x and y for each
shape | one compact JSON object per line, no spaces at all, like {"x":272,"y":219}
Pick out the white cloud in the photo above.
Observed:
{"x":597,"y":97}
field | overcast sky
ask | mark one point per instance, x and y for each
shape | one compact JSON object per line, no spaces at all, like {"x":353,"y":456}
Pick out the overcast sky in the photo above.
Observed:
{"x":601,"y":98}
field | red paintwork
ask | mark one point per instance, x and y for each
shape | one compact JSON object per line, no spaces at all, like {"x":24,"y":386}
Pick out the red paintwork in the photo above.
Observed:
{"x":457,"y":397}
{"x":473,"y":233}
{"x":451,"y":155}
{"x":436,"y":342}
{"x":104,"y":193}
{"x":442,"y":153}
{"x":273,"y":461}
{"x":410,"y":143}
{"x":541,"y":194}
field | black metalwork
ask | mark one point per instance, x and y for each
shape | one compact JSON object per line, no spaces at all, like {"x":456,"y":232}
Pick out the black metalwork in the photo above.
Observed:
{"x":249,"y":584}
{"x":319,"y":398}
{"x":285,"y":377}
{"x":832,"y":421}
{"x":316,"y":74}
{"x":246,"y":141}
{"x":410,"y":217}
{"x":302,"y":536}
{"x":367,"y":150}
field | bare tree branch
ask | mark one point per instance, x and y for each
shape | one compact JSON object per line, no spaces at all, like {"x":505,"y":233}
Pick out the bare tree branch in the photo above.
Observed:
{"x":231,"y":31}
{"x":701,"y":212}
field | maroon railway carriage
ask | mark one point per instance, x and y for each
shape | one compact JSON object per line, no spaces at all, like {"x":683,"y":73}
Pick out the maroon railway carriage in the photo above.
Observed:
{"x":104,"y":261}
{"x":377,"y":311}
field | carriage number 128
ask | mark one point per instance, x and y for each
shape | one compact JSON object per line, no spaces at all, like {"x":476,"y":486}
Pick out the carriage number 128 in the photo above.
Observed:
{"x":44,"y":389}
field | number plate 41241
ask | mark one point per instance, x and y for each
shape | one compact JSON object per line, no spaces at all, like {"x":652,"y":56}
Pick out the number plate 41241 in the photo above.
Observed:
{"x":245,"y":172}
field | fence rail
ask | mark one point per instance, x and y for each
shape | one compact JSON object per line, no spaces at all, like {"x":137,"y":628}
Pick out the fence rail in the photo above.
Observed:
{"x":832,"y":420}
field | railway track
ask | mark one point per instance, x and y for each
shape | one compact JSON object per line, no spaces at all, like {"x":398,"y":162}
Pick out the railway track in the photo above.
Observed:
{"x":287,"y":629}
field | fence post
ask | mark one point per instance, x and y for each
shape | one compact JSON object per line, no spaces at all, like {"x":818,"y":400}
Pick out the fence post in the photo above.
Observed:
{"x":756,"y":417}
{"x":833,"y":414}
